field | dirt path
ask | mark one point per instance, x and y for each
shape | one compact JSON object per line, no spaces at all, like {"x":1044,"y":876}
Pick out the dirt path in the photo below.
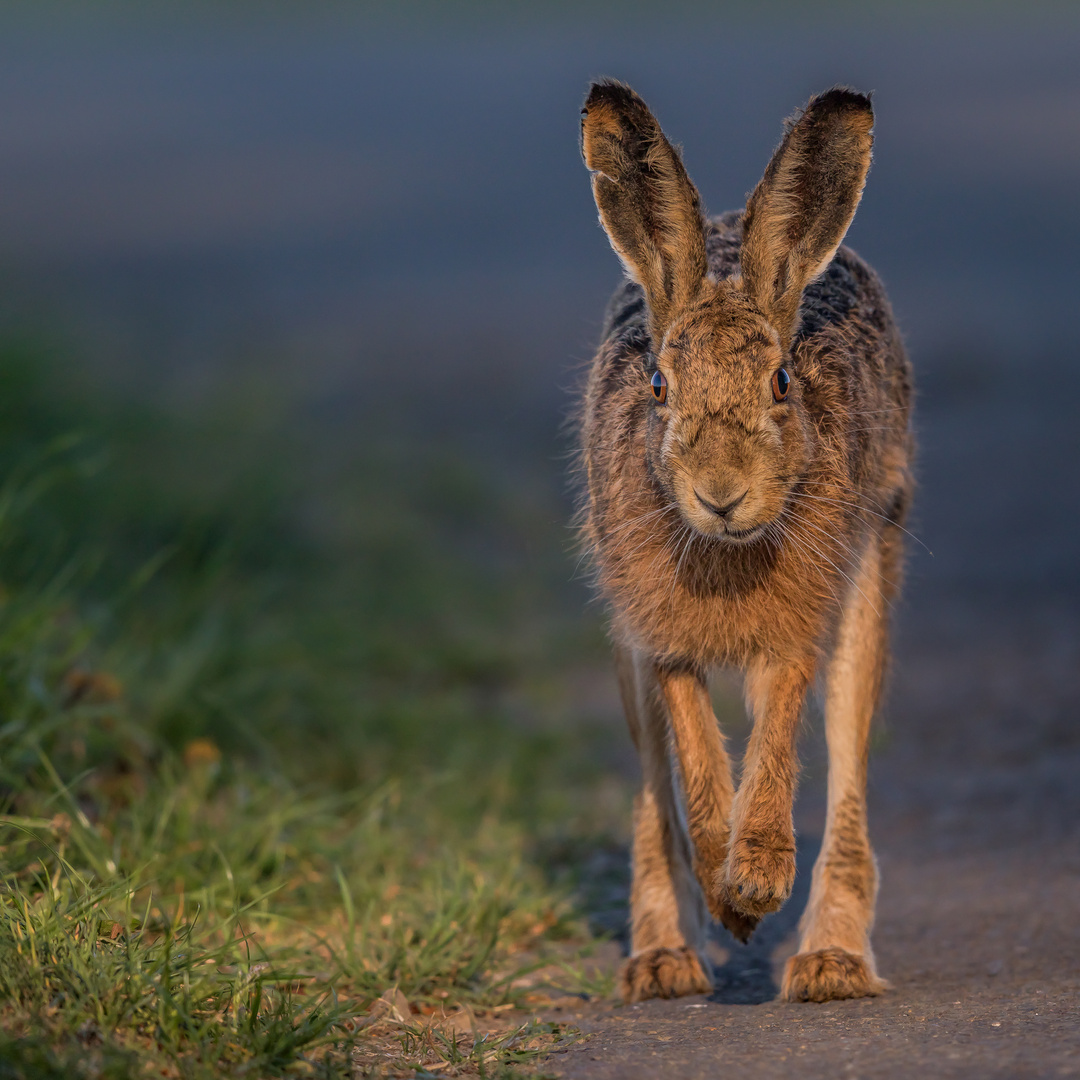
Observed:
{"x":975,"y":805}
{"x":977,"y":992}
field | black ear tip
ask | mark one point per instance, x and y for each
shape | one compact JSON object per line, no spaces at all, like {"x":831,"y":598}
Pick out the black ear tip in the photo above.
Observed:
{"x":610,"y":92}
{"x":840,"y":99}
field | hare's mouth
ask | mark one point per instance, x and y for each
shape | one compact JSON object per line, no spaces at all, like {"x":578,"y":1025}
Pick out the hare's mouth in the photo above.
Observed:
{"x":741,"y":536}
{"x":714,"y":522}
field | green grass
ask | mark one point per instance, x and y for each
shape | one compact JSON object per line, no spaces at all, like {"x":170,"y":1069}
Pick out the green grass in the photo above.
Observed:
{"x":278,"y":743}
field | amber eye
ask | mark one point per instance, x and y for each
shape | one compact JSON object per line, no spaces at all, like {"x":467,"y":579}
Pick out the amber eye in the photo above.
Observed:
{"x":781,"y":383}
{"x":659,"y":387}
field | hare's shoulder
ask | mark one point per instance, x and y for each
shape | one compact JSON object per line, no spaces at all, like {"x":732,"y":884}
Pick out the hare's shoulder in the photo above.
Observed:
{"x":626,"y":322}
{"x":847,"y":290}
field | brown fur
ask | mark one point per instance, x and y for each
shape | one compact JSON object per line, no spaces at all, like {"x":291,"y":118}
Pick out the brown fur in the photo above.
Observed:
{"x":727,"y":528}
{"x":664,"y":973}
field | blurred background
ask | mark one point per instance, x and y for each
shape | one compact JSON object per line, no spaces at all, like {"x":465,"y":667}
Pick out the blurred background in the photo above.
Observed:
{"x":293,"y":299}
{"x":378,"y":218}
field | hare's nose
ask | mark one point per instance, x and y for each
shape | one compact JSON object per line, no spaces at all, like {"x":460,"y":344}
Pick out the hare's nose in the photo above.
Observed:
{"x":720,"y":511}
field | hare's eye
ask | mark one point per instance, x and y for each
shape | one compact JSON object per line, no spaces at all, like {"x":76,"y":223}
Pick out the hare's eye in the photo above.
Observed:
{"x":781,"y":383}
{"x":659,"y":386}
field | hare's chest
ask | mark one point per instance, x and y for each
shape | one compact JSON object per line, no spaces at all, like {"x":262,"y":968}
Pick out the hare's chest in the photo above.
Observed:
{"x":714,"y":611}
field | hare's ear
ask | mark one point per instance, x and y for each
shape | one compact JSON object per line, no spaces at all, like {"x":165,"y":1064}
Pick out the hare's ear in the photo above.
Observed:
{"x":798,"y":214}
{"x":648,"y":206}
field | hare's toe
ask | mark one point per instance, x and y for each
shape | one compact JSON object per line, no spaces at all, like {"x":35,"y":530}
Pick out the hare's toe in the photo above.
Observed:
{"x":829,"y":975}
{"x":758,"y":877}
{"x":740,"y":925}
{"x":665,"y":973}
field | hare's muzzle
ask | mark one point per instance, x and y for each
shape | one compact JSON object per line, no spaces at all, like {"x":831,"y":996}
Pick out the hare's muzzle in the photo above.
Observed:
{"x":723,"y":510}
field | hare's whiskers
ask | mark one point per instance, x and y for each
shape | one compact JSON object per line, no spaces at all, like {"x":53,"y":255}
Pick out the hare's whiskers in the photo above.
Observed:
{"x":809,"y":541}
{"x":678,"y":566}
{"x":865,"y":509}
{"x":803,"y":556}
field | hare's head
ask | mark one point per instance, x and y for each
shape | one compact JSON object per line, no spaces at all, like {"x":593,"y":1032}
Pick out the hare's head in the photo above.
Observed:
{"x":727,"y":435}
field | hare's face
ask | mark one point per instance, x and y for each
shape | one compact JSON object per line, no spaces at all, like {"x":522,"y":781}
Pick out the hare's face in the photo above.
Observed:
{"x":728,"y":440}
{"x":726,"y":448}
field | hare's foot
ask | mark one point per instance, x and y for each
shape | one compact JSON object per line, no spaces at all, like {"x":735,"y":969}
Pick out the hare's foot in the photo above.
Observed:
{"x":737,"y":923}
{"x":664,"y":973}
{"x":709,"y":871}
{"x":829,"y":975}
{"x":759,"y":875}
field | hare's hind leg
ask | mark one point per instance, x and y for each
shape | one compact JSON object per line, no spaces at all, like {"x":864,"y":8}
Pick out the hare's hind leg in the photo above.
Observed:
{"x":667,"y":914}
{"x":835,"y":959}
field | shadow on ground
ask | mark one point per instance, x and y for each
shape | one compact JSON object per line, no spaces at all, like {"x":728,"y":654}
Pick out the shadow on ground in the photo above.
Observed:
{"x":747,"y":973}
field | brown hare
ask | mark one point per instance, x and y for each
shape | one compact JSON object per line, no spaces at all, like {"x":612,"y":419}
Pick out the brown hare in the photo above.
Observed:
{"x":746,"y":447}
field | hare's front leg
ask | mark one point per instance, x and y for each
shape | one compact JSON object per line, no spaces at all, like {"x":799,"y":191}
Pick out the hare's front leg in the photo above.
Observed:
{"x":834,"y":958}
{"x":705,"y":770}
{"x":667,"y":916}
{"x":760,"y":868}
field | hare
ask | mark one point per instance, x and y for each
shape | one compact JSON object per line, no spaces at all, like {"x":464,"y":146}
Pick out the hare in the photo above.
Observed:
{"x":745,"y":443}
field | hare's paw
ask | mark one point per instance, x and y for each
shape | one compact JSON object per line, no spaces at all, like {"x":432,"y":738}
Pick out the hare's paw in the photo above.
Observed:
{"x":737,"y":923}
{"x":664,"y":973}
{"x":829,"y":975}
{"x":711,"y":877}
{"x":758,"y":876}
{"x":740,"y":926}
